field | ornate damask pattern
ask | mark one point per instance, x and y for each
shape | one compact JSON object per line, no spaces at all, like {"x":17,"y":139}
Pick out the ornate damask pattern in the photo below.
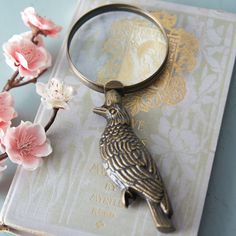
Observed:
{"x":170,"y":88}
{"x":135,"y":48}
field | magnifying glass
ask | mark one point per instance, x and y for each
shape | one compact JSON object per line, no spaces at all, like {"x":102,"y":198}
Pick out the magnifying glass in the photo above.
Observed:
{"x":94,"y":43}
{"x":118,"y":49}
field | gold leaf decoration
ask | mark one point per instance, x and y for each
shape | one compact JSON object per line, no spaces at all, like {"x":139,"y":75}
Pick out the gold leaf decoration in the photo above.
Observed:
{"x":170,"y":88}
{"x":134,"y":49}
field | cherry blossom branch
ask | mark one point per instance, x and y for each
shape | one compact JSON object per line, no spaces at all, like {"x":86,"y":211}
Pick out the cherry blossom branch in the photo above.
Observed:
{"x":34,"y":80}
{"x":21,"y":51}
{"x":3,"y":156}
{"x":10,"y":81}
{"x":52,"y":119}
{"x":35,"y":34}
{"x":16,"y":82}
{"x":33,"y":39}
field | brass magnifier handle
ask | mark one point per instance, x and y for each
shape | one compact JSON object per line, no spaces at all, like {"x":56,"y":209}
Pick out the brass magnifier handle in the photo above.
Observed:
{"x":125,"y":158}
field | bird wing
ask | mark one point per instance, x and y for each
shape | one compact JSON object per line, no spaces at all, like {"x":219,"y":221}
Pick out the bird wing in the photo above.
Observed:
{"x":130,"y":161}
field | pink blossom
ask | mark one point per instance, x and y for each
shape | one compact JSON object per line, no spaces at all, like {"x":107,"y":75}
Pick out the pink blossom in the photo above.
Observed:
{"x":39,"y":23}
{"x":7,"y":111}
{"x":30,"y":59}
{"x":27,"y":144}
{"x":4,"y":125}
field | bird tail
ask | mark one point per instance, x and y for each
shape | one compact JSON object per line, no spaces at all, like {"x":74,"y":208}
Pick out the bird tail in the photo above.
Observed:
{"x":161,"y":220}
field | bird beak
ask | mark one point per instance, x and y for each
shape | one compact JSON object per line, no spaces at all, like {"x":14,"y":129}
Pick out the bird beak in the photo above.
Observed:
{"x":100,"y":111}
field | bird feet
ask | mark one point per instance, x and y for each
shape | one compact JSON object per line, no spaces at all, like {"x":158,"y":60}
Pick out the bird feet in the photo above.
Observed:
{"x":127,"y":195}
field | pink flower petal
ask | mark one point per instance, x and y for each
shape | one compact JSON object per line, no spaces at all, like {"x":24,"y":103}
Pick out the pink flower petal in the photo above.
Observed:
{"x":2,"y":147}
{"x":40,"y":59}
{"x":22,"y":60}
{"x":26,"y":144}
{"x":30,"y":59}
{"x":14,"y":156}
{"x":27,"y":73}
{"x":37,"y":132}
{"x":25,"y":15}
{"x":31,"y":163}
{"x":33,"y":20}
{"x":7,"y":111}
{"x":4,"y":125}
{"x":6,"y":99}
{"x":43,"y":150}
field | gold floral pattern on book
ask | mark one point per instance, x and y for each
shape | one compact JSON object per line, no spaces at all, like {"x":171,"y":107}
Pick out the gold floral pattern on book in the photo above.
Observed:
{"x":170,"y":88}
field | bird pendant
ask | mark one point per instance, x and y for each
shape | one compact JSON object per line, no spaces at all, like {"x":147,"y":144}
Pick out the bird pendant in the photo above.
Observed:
{"x":129,"y":164}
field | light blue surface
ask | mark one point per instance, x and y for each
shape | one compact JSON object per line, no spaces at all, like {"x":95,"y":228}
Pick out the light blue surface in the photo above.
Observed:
{"x":219,"y":217}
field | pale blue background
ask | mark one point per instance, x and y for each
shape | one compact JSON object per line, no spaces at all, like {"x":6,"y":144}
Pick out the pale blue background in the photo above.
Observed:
{"x":219,"y":217}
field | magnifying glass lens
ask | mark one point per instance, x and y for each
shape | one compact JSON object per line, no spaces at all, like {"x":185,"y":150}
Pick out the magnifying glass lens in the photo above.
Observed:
{"x":121,"y":46}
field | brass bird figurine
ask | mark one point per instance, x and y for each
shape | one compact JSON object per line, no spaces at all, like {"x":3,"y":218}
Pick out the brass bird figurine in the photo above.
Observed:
{"x":129,"y":164}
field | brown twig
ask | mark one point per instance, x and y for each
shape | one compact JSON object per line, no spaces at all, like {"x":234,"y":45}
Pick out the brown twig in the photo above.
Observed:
{"x":52,"y":119}
{"x":35,"y":34}
{"x":9,"y":83}
{"x":16,"y":73}
{"x":34,"y":80}
{"x":33,"y":39}
{"x":3,"y":156}
{"x":16,"y":83}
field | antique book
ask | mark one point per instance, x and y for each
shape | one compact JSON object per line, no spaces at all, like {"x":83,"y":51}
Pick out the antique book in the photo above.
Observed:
{"x":178,"y":118}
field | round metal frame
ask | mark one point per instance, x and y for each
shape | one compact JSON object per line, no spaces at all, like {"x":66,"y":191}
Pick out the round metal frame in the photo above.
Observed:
{"x":109,"y":8}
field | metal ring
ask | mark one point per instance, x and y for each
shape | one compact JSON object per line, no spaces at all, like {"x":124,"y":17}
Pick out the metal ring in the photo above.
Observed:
{"x":108,"y":8}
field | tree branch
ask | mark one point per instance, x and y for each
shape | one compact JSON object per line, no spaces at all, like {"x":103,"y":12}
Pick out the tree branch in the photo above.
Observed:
{"x":9,"y":83}
{"x":17,"y":83}
{"x":34,"y":80}
{"x":52,"y":119}
{"x":3,"y":156}
{"x":35,"y":34}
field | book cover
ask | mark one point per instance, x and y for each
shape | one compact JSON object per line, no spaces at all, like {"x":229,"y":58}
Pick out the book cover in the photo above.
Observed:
{"x":178,"y":118}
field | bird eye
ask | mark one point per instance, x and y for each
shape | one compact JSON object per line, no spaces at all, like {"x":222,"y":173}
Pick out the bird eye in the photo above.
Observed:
{"x":113,"y":111}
